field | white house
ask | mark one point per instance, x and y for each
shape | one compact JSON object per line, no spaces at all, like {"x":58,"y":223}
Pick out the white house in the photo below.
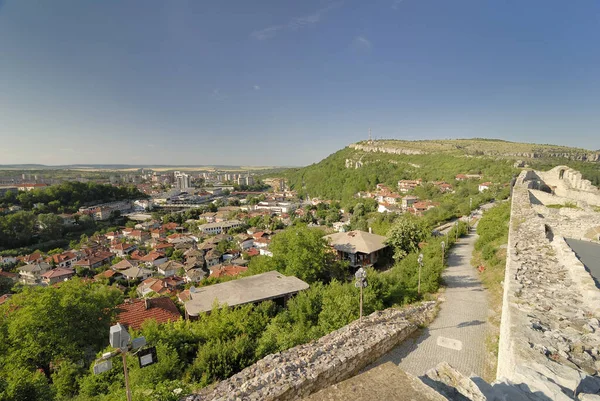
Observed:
{"x":484,"y":186}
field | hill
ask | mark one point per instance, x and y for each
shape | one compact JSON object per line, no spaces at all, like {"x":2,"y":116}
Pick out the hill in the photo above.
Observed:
{"x":363,"y":165}
{"x":479,"y":147}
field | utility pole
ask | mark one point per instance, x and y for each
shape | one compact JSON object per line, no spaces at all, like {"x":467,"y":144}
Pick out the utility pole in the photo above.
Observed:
{"x":420,"y":261}
{"x":124,"y":355}
{"x":470,"y":212}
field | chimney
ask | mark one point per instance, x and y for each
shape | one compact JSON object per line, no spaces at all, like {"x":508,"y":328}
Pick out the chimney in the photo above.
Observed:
{"x":147,"y":303}
{"x":370,"y":230}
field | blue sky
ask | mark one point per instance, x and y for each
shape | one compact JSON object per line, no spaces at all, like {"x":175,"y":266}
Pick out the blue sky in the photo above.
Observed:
{"x":289,"y":82}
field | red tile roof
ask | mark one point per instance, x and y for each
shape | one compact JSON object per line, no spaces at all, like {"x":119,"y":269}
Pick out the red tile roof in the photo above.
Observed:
{"x":58,"y":272}
{"x":133,"y":313}
{"x":231,"y":270}
{"x":4,"y":298}
{"x":8,"y":275}
{"x":253,"y":252}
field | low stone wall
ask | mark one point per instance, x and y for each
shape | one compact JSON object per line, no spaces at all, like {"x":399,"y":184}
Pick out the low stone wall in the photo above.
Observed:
{"x":305,"y":369}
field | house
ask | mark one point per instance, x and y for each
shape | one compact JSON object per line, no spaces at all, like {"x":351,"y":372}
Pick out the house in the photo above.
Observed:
{"x":169,"y":226}
{"x":405,"y":186}
{"x":253,"y":252}
{"x":230,"y":270}
{"x":408,"y":201}
{"x":136,"y":273}
{"x":485,"y":186}
{"x":154,"y":258}
{"x":247,"y":290}
{"x":386,"y":208}
{"x":123,"y":265}
{"x":122,"y":249}
{"x":95,"y":259}
{"x":158,"y":233}
{"x":169,"y":268}
{"x":114,"y":274}
{"x":157,"y":286}
{"x":32,"y":273}
{"x":7,"y":260}
{"x":262,"y":243}
{"x":244,"y":241}
{"x":35,"y":257}
{"x":8,"y":275}
{"x":162,"y":247}
{"x":57,"y":275}
{"x":420,"y":207}
{"x":31,"y":187}
{"x":194,"y":274}
{"x":460,"y":177}
{"x":137,"y":235}
{"x":212,"y":257}
{"x":218,"y":228}
{"x":360,"y":248}
{"x":443,"y":186}
{"x":133,"y":312}
{"x":65,"y":259}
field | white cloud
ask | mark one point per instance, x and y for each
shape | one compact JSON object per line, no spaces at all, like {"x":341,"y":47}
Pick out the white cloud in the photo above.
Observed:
{"x":396,"y":4}
{"x":256,"y":87}
{"x":361,"y":42}
{"x":294,"y":24}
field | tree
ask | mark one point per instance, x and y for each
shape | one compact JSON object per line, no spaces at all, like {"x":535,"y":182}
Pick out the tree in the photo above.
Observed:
{"x":44,"y":326}
{"x":303,"y":252}
{"x":51,"y":226}
{"x":405,"y":235}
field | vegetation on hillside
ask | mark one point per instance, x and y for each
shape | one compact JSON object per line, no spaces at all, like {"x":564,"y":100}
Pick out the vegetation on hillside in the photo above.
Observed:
{"x":490,"y":253}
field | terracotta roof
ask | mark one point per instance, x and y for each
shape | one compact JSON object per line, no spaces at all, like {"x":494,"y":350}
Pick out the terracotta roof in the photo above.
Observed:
{"x":8,"y":275}
{"x":107,"y":273}
{"x":122,"y":265}
{"x":61,"y":257}
{"x":152,"y":256}
{"x":163,"y":246}
{"x":253,"y":252}
{"x":58,"y":272}
{"x":230,"y":270}
{"x":32,"y":257}
{"x":133,"y":313}
{"x":169,"y":226}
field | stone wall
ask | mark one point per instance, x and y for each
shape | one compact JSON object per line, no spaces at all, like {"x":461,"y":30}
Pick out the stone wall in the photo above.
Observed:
{"x":569,"y":183}
{"x":550,"y":332}
{"x":307,"y":368}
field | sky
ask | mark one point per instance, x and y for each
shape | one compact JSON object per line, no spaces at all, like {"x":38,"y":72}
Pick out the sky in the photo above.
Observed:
{"x":286,"y":83}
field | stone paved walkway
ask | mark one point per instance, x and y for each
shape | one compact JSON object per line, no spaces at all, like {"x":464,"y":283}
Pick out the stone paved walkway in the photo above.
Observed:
{"x":457,"y":335}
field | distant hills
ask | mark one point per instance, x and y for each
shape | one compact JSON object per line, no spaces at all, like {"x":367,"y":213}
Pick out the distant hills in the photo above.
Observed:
{"x":479,"y":147}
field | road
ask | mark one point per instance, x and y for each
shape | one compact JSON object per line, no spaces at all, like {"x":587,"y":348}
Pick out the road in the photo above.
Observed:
{"x":457,"y":335}
{"x":589,"y":254}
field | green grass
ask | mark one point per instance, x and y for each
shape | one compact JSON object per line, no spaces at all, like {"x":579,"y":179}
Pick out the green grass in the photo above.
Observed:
{"x":569,"y":205}
{"x":596,"y":209}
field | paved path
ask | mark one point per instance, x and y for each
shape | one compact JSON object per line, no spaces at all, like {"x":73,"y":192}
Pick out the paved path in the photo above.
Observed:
{"x":589,"y":254}
{"x":457,"y":335}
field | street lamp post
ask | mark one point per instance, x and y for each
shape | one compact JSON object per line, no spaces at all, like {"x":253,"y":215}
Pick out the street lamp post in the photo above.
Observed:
{"x":443,"y":248}
{"x":420,"y":261}
{"x":121,"y":340}
{"x":456,"y":230}
{"x":361,"y":282}
{"x":470,"y":212}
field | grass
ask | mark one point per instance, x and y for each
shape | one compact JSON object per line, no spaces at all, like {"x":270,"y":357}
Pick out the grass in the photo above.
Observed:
{"x":596,"y":209}
{"x":569,"y":205}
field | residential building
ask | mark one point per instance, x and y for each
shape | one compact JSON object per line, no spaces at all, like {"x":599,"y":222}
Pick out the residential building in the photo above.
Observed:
{"x":32,"y":273}
{"x":136,"y":273}
{"x":218,"y":228}
{"x":133,"y":312}
{"x":485,"y":186}
{"x":57,"y":275}
{"x":359,"y":248}
{"x":122,"y":249}
{"x":229,"y":270}
{"x":65,"y":259}
{"x":154,"y":258}
{"x":169,"y":268}
{"x":408,"y":201}
{"x":247,"y":290}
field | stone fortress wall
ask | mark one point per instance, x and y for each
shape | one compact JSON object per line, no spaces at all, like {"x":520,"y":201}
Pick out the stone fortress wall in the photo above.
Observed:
{"x":550,"y":332}
{"x":305,"y":369}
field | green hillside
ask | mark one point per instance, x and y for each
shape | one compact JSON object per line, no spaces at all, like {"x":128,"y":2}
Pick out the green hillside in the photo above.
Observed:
{"x":360,"y":167}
